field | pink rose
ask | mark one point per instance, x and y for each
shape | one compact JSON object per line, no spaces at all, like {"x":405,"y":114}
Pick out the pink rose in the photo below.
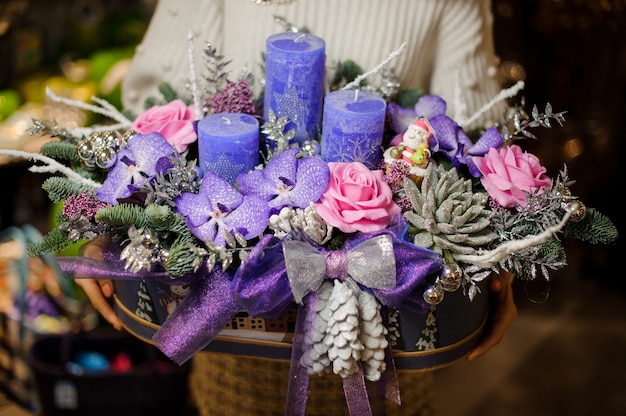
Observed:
{"x":510,"y":173}
{"x":356,"y":198}
{"x":173,"y":120}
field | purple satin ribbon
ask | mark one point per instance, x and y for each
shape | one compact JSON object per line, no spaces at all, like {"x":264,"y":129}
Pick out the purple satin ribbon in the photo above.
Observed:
{"x":201,"y":315}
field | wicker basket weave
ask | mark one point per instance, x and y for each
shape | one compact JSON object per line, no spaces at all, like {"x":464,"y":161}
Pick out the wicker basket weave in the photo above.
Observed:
{"x":224,"y":384}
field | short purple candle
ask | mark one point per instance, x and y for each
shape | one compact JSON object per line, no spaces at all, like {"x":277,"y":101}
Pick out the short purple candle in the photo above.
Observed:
{"x":353,"y":127}
{"x":294,"y":82}
{"x":228,"y":144}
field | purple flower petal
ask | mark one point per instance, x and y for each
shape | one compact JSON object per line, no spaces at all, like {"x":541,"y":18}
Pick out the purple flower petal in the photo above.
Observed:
{"x":219,"y":208}
{"x":136,"y":164}
{"x":399,"y":117}
{"x":490,"y":138}
{"x":445,"y":135}
{"x":287,"y":180}
{"x":429,"y":106}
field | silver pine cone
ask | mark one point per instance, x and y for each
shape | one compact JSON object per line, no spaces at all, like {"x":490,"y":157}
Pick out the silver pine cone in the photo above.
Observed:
{"x":373,"y":336}
{"x":317,"y":360}
{"x":447,"y":213}
{"x":342,"y":335}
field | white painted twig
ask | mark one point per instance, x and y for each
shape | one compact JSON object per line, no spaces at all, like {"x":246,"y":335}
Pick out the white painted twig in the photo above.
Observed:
{"x":107,"y":110}
{"x":503,"y":95}
{"x":51,"y":166}
{"x":195,"y":89}
{"x":377,"y":68}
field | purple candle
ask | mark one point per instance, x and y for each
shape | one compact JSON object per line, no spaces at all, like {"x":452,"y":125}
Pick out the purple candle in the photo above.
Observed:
{"x":353,"y":126}
{"x":228,"y":144}
{"x":294,"y":82}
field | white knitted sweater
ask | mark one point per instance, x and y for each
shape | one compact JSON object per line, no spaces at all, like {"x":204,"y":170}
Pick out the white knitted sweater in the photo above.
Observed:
{"x":450,"y":45}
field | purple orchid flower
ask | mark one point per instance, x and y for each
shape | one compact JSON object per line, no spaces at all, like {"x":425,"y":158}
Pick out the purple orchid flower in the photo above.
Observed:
{"x":139,"y":162}
{"x":454,"y":143}
{"x":287,"y":180}
{"x":219,"y":208}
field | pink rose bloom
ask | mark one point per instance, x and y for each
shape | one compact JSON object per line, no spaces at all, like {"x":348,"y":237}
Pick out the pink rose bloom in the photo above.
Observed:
{"x":356,"y":199}
{"x":510,"y":173}
{"x":173,"y":120}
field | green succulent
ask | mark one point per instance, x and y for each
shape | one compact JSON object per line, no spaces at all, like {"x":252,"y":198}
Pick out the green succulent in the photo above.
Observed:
{"x":447,"y":214}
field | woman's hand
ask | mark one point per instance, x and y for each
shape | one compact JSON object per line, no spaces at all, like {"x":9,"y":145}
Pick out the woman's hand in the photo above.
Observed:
{"x":503,"y":312}
{"x":99,"y":292}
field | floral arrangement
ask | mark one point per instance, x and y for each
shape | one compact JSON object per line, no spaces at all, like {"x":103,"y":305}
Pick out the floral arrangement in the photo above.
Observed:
{"x":347,"y":243}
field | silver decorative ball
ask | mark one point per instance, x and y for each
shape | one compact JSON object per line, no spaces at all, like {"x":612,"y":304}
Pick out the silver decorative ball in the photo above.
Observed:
{"x":451,"y":278}
{"x":433,"y":295}
{"x":105,"y":158}
{"x":85,"y":150}
{"x":580,"y":212}
{"x":127,"y":136}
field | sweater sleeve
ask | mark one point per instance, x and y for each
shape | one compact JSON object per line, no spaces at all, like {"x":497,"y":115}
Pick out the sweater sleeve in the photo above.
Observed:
{"x":168,"y":34}
{"x":465,"y":63}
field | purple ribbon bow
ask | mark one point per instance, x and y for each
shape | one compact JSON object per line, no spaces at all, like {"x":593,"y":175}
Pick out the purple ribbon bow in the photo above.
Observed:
{"x":276,"y":273}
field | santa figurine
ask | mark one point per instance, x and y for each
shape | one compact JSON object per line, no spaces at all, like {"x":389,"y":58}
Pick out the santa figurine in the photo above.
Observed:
{"x":413,"y":149}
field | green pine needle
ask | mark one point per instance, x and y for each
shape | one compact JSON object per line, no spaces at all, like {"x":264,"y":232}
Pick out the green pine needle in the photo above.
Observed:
{"x":61,"y":151}
{"x":167,"y":92}
{"x":59,"y":188}
{"x":407,"y":98}
{"x":594,"y":228}
{"x":122,"y":216}
{"x":53,"y":242}
{"x":180,"y":258}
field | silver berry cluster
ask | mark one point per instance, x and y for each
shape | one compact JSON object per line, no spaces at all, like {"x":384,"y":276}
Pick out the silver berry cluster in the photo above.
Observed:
{"x":449,"y":281}
{"x":100,"y":148}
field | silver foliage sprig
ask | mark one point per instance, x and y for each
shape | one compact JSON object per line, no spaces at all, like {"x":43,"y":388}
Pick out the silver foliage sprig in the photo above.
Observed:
{"x":521,"y":122}
{"x":274,"y":131}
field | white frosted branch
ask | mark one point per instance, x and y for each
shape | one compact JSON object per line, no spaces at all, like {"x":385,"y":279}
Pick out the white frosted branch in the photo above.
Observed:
{"x":195,"y":89}
{"x":490,"y":258}
{"x":503,"y":95}
{"x":51,"y":166}
{"x":87,"y":131}
{"x":105,"y":110}
{"x":377,"y":68}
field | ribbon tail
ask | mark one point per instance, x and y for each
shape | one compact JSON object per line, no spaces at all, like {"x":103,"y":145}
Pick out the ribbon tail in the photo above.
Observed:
{"x":198,"y":319}
{"x":298,"y":388}
{"x":76,"y":267}
{"x":355,"y":390}
{"x":390,"y":384}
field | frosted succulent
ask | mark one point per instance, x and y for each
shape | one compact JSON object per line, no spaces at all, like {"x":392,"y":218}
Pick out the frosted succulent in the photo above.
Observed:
{"x":447,"y":214}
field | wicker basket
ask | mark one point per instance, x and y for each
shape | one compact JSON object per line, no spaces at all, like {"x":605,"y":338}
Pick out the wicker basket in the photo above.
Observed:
{"x":224,"y":384}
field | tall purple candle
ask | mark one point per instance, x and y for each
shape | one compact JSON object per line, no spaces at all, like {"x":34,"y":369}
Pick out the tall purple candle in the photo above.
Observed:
{"x":353,"y":127}
{"x":228,"y":144}
{"x":294,"y":82}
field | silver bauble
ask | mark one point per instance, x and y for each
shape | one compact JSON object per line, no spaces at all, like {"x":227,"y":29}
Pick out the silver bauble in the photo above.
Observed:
{"x":433,"y":295}
{"x":451,"y":277}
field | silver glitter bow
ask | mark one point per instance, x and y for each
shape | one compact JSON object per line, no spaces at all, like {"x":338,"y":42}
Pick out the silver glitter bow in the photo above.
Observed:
{"x":370,"y":263}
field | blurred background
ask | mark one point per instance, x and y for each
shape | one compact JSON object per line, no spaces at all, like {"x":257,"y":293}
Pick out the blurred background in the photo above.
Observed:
{"x":565,"y":353}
